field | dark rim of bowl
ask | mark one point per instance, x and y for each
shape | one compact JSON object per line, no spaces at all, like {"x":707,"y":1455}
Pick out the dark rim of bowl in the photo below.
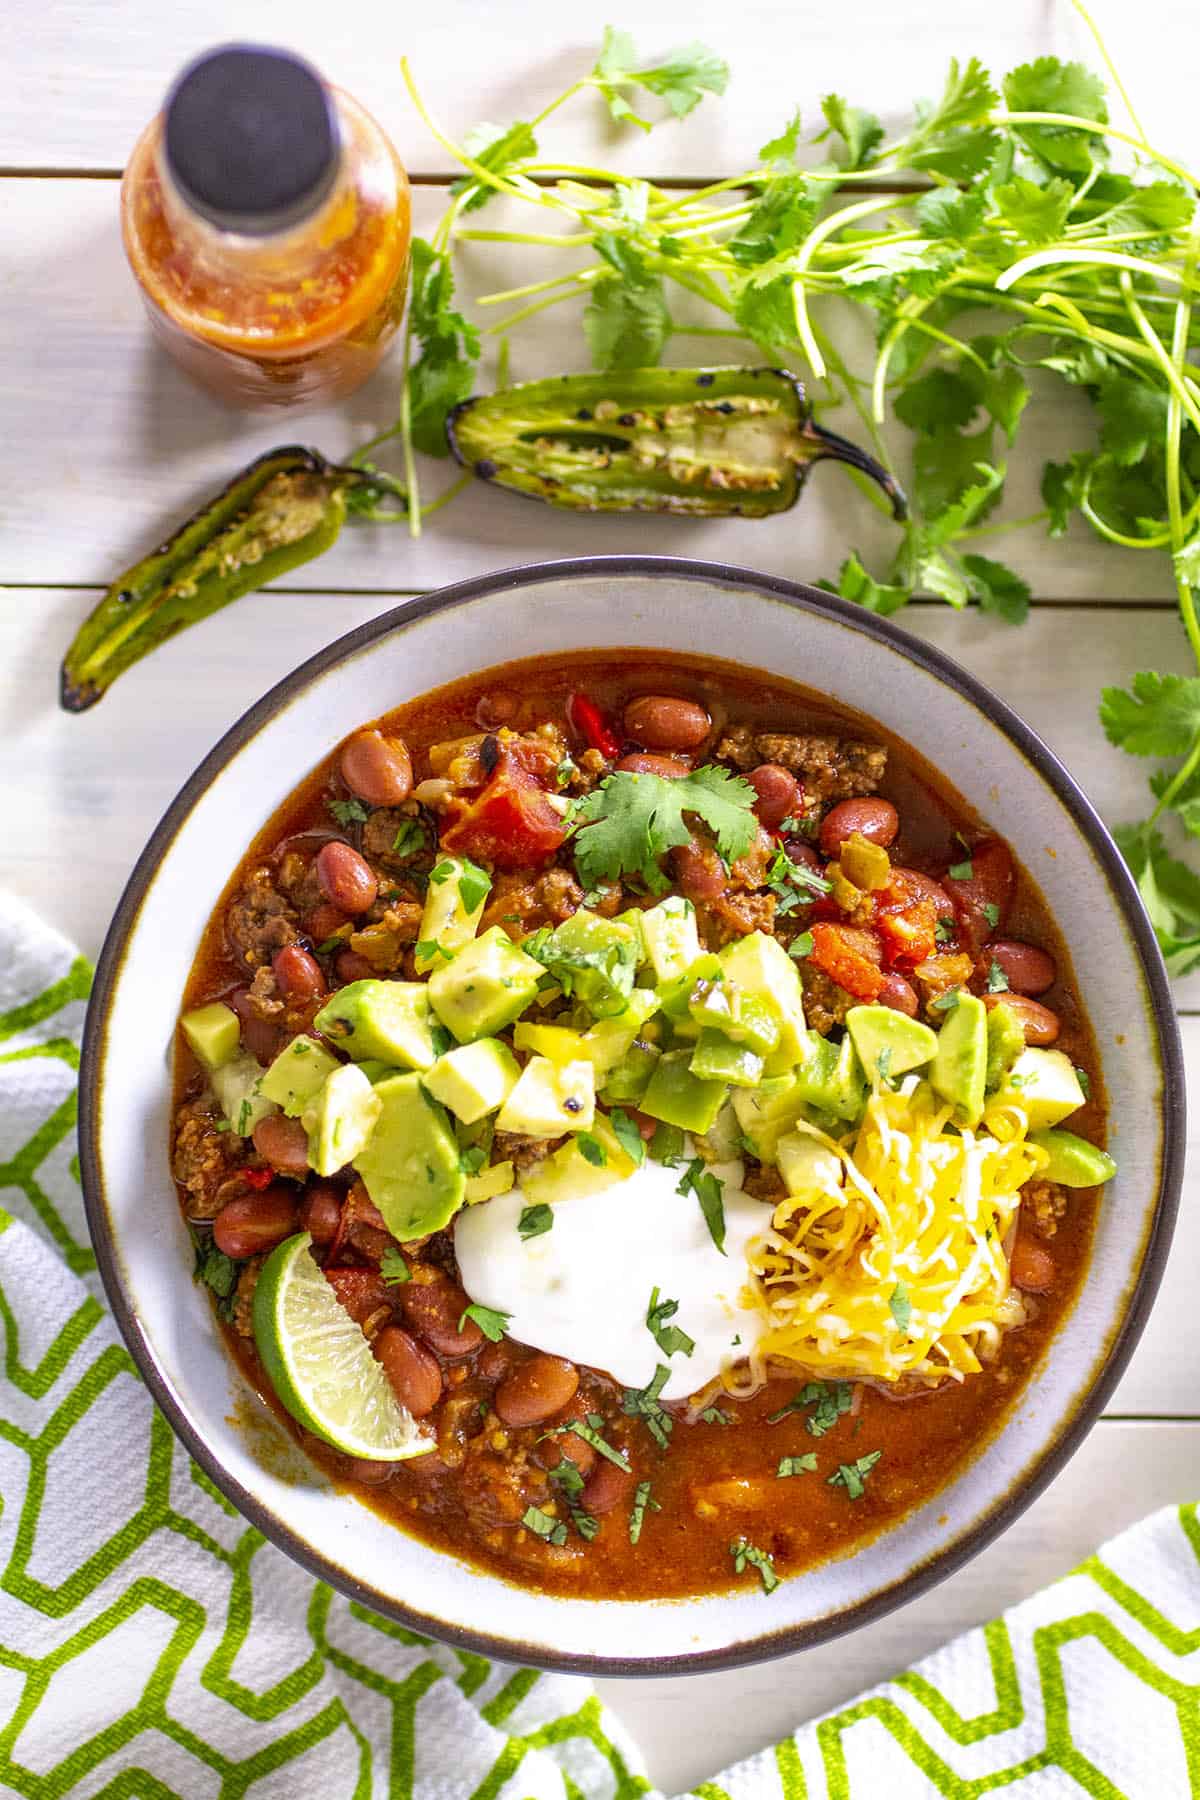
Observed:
{"x":1027,"y":1485}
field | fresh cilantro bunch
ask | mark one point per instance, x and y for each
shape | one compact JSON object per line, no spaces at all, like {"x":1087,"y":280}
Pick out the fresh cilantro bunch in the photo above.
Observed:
{"x":998,"y":247}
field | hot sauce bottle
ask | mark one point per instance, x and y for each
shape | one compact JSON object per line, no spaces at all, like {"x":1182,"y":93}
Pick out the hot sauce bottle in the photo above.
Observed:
{"x":267,"y":219}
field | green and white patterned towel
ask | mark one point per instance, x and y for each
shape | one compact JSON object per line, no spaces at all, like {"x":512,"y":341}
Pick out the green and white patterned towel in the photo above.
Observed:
{"x":153,"y":1645}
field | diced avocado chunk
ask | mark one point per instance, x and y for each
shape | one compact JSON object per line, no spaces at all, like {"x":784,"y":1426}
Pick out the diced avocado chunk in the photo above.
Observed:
{"x":388,"y":1021}
{"x":1073,"y":1161}
{"x":447,"y":920}
{"x":1043,"y":1083}
{"x":959,"y":1067}
{"x":593,"y":958}
{"x":760,"y":966}
{"x":237,"y":1087}
{"x":603,"y":1044}
{"x":568,"y":1173}
{"x":297,"y":1075}
{"x":626,"y":1084}
{"x":670,"y":936}
{"x":675,"y":997}
{"x":410,"y":1165}
{"x":740,"y":1016}
{"x":680,"y":1098}
{"x":550,"y":1098}
{"x":718,"y":1058}
{"x":1006,"y":1040}
{"x":498,"y":1178}
{"x":807,"y":1166}
{"x":830,"y":1076}
{"x":213,"y":1033}
{"x":487,"y":986}
{"x":723,"y":1141}
{"x":473,"y":1079}
{"x":340,"y":1118}
{"x":766,"y":1112}
{"x":888,"y":1042}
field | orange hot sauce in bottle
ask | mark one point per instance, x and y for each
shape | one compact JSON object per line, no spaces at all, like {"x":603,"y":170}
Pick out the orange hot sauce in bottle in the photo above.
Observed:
{"x":267,"y":220}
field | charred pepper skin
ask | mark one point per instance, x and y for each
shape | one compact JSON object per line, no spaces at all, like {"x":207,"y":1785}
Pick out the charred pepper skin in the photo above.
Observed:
{"x":282,"y":510}
{"x":701,"y":443}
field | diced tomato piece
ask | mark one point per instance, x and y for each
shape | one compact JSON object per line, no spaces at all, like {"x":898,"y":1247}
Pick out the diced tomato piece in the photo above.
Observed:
{"x":843,"y":953}
{"x":510,"y":824}
{"x":988,"y":886}
{"x":258,"y":1178}
{"x":907,"y":919}
{"x":361,"y":1291}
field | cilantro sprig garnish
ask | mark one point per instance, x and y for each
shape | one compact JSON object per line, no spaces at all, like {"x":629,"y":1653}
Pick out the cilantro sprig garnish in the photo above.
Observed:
{"x":828,"y":1401}
{"x":745,"y":1554}
{"x":709,"y":1190}
{"x":853,"y":1476}
{"x":629,"y":823}
{"x":671,"y":1340}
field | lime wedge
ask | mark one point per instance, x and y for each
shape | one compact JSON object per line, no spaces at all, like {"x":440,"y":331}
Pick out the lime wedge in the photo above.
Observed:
{"x":321,"y":1365}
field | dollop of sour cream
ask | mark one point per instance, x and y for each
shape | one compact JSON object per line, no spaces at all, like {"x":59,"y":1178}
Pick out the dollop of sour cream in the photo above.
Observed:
{"x":582,"y":1289}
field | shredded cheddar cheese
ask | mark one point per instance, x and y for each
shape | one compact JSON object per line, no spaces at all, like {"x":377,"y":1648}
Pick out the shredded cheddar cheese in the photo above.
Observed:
{"x":891,"y":1265}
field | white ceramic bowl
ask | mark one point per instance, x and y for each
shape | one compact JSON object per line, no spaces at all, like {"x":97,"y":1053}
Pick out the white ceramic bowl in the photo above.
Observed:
{"x":988,"y":755}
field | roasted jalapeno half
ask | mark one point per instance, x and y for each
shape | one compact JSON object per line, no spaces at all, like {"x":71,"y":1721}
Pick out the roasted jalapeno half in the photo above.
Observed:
{"x":704,"y":443}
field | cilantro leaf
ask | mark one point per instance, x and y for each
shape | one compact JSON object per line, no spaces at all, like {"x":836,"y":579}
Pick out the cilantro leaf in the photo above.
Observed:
{"x":445,"y":371}
{"x":744,"y":1553}
{"x":626,"y":323}
{"x":861,"y":132}
{"x":797,"y":1465}
{"x":1036,"y":213}
{"x":490,"y":1322}
{"x":782,"y":217}
{"x":642,"y":1503}
{"x":1050,"y":85}
{"x":544,"y":1525}
{"x":591,"y":1149}
{"x":1159,"y":206}
{"x":782,"y":149}
{"x":967,"y":97}
{"x":829,"y":1400}
{"x":628,"y":1136}
{"x":997,"y":589}
{"x":218,"y":1272}
{"x":853,"y":1476}
{"x":1133,"y":415}
{"x":627,"y":823}
{"x":671,"y":1340}
{"x":348,"y":812}
{"x":1170,"y":892}
{"x":533,"y":1221}
{"x":947,"y":213}
{"x":900,"y":1306}
{"x":942,"y":399}
{"x":681,"y":79}
{"x":766,"y":310}
{"x":495,"y":147}
{"x":1159,"y":715}
{"x":709,"y":1190}
{"x":1063,"y":487}
{"x":855,"y":583}
{"x":644,"y":1403}
{"x":474,"y":885}
{"x":393,"y":1268}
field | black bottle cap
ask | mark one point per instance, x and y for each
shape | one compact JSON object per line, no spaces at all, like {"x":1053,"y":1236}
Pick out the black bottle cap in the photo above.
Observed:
{"x":251,"y":138}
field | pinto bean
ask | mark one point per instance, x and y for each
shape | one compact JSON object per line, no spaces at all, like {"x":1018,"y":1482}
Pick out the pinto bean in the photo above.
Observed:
{"x":897,"y":993}
{"x":536,"y":1390}
{"x":604,"y":1488}
{"x":345,"y":877}
{"x":321,"y":1212}
{"x":282,"y":1142}
{"x":875,"y":819}
{"x":499,"y":707}
{"x":924,"y":887}
{"x":699,"y":872}
{"x":802,"y":852}
{"x":298,"y":974}
{"x":1027,"y":969}
{"x":368,"y":1472}
{"x":1030,"y":1266}
{"x":1040,"y":1025}
{"x":778,"y":793}
{"x":567,"y":1445}
{"x":376,"y":768}
{"x":433,"y":1307}
{"x":665,"y":722}
{"x":671,"y":768}
{"x":982,"y":898}
{"x":323,"y":921}
{"x":261,"y":1038}
{"x":255,"y":1222}
{"x":412,"y":1370}
{"x":350,"y":966}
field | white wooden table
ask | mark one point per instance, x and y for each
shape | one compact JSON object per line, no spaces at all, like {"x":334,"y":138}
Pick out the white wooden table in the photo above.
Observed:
{"x":104,"y":443}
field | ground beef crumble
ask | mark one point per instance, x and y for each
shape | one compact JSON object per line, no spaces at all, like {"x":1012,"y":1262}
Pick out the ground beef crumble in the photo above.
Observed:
{"x":831,"y":768}
{"x":206,"y":1160}
{"x":1044,"y":1203}
{"x":259,"y":921}
{"x":825,"y":1003}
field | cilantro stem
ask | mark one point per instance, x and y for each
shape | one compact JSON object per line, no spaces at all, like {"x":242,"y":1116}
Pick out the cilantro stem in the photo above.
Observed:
{"x":538,"y":287}
{"x":1057,"y":255}
{"x":566,"y":240}
{"x":1102,"y":47}
{"x":994,"y":530}
{"x":1167,"y":364}
{"x":820,"y":233}
{"x":1097,"y":130}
